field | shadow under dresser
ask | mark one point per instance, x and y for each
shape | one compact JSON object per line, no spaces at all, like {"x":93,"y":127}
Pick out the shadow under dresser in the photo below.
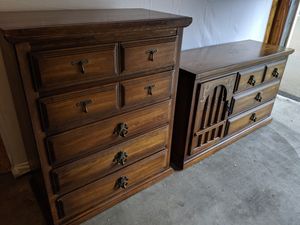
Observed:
{"x":224,"y":92}
{"x":95,"y":95}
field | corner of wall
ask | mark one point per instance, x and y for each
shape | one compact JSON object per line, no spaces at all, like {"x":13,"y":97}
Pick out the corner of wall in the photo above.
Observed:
{"x":9,"y":126}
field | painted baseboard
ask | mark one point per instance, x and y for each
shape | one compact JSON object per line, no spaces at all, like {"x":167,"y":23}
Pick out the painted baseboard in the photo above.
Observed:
{"x":288,"y":95}
{"x":20,"y":169}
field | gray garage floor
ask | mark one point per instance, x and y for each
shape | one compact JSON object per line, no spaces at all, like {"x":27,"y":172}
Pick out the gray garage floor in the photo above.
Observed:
{"x":291,"y":79}
{"x":254,"y":181}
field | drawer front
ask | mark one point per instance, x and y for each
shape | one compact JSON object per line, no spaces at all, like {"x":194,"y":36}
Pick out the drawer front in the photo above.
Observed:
{"x":250,"y":78}
{"x":110,"y":186}
{"x":91,"y":168}
{"x":58,"y":68}
{"x":254,"y":97}
{"x":250,"y":117}
{"x":78,"y":108}
{"x":148,"y":55}
{"x":147,"y":89}
{"x":275,"y":70}
{"x":89,"y":138}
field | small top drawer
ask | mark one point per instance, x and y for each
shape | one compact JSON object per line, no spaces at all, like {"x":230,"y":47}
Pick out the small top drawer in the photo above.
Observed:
{"x":146,"y":89}
{"x":140,"y":56}
{"x":249,"y":78}
{"x":64,"y":67}
{"x":275,"y":70}
{"x":78,"y":108}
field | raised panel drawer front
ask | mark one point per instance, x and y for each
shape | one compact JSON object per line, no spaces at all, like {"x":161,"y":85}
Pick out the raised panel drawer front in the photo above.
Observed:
{"x":147,"y":89}
{"x":250,"y":77}
{"x":89,"y":138}
{"x":58,"y":68}
{"x":250,"y":117}
{"x":275,"y":70}
{"x":111,"y":186}
{"x":254,"y":97}
{"x":88,"y":169}
{"x":78,"y":108}
{"x":148,"y":55}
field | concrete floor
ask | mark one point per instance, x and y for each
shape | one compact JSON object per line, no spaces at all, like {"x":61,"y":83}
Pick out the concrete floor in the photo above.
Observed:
{"x":255,"y":181}
{"x":291,"y":79}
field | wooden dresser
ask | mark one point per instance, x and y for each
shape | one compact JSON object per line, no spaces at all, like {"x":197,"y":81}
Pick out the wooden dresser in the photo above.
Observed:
{"x":94,"y":92}
{"x":224,"y":92}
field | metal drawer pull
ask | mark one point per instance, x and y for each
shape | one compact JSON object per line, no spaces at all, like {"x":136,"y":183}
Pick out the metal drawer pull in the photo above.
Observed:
{"x":253,"y":117}
{"x":252,"y":80}
{"x":275,"y":73}
{"x":121,"y":130}
{"x":151,"y":53}
{"x":122,"y":182}
{"x":81,"y":64}
{"x":121,"y":158}
{"x":149,"y":89}
{"x":83,"y":105}
{"x":228,"y":108}
{"x":258,"y":97}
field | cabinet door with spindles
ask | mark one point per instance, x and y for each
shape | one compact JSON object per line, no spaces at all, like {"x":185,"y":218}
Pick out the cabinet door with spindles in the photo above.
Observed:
{"x":212,"y":104}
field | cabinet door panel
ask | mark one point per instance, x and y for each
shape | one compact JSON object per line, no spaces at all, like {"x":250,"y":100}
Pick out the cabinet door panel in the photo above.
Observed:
{"x":211,"y":111}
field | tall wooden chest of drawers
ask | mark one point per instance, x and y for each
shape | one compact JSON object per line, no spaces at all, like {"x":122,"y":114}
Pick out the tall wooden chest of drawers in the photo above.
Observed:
{"x":224,"y":92}
{"x":94,"y":92}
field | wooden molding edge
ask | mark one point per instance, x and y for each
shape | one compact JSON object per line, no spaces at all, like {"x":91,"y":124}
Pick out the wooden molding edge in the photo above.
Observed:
{"x":276,"y":23}
{"x":270,"y":20}
{"x":20,"y":169}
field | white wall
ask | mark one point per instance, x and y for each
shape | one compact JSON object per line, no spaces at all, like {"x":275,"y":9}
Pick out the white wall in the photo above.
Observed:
{"x":214,"y":21}
{"x":9,"y":127}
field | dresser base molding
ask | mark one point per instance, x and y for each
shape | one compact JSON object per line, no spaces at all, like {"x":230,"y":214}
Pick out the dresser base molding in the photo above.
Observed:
{"x":20,"y":169}
{"x":113,"y":201}
{"x":235,"y":137}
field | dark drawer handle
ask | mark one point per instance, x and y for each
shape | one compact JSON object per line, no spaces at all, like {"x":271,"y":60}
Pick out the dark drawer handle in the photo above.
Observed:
{"x":121,"y":130}
{"x":149,"y":89}
{"x":258,"y":97}
{"x":252,"y":80}
{"x":83,"y":105}
{"x":275,"y":73}
{"x":81,"y":64}
{"x":121,"y":158}
{"x":228,"y":108}
{"x":253,"y":117}
{"x":151,"y":53}
{"x":122,"y":182}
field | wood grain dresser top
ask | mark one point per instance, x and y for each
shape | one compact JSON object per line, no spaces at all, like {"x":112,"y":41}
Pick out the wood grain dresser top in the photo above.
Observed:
{"x":27,"y":23}
{"x":229,"y":56}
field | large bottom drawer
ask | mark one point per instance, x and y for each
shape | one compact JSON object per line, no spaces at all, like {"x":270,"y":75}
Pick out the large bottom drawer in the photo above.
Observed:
{"x":83,"y":140}
{"x":115,"y":184}
{"x":250,"y":117}
{"x":93,"y":167}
